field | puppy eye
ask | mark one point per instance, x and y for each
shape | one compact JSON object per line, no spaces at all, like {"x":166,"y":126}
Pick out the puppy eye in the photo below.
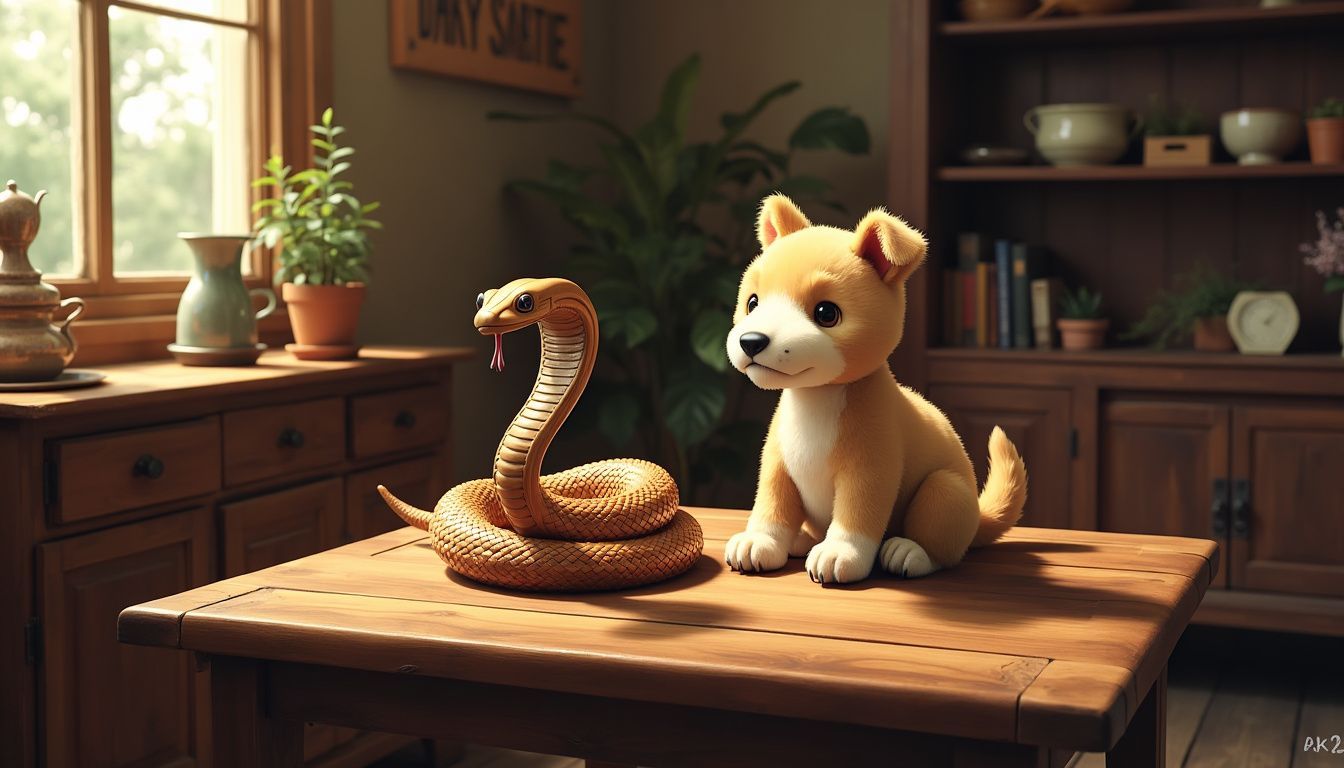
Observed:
{"x":827,"y":314}
{"x":523,"y":303}
{"x":480,"y":300}
{"x":751,"y":303}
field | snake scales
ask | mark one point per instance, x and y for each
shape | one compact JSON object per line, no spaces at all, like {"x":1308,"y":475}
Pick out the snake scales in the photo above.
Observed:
{"x":604,"y":525}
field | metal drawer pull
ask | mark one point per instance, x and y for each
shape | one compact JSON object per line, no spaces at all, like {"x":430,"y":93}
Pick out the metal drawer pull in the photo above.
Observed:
{"x":1219,"y":507}
{"x":149,"y":466}
{"x":291,"y":438}
{"x":404,"y":419}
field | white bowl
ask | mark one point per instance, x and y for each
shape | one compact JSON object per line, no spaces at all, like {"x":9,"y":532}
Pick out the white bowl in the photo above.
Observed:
{"x":1260,"y":136}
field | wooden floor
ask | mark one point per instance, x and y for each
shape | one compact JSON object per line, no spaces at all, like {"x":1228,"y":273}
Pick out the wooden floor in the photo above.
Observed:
{"x":1234,"y":699}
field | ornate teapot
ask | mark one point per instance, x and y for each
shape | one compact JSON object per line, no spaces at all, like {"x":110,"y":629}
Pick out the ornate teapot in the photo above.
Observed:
{"x":31,"y":347}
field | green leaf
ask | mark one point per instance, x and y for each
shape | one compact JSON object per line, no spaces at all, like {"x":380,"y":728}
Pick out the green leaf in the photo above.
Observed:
{"x":634,"y":178}
{"x":640,"y":324}
{"x":832,"y":128}
{"x":326,"y":117}
{"x":709,"y":333}
{"x":618,"y":416}
{"x":735,"y":122}
{"x":693,"y":402}
{"x":674,"y":107}
{"x":584,"y":211}
{"x":779,"y":160}
{"x":1334,"y":283}
{"x":565,"y":175}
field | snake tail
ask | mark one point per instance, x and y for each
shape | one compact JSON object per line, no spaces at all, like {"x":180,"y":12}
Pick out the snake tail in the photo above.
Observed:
{"x":412,"y":515}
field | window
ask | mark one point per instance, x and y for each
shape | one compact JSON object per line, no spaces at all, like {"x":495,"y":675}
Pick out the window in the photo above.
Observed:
{"x":145,"y":118}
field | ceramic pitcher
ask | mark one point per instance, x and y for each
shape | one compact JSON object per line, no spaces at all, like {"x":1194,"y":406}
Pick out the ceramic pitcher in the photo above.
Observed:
{"x":216,"y":308}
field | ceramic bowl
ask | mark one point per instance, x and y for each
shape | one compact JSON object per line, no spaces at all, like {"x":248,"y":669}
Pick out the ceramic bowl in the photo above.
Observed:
{"x":995,"y":10}
{"x":1081,"y":134}
{"x":1260,"y":136}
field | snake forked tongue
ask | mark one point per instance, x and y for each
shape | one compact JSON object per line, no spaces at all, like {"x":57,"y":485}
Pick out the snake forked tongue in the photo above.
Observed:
{"x":497,"y":362}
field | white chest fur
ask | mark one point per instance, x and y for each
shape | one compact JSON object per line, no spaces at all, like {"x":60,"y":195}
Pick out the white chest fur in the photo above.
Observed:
{"x":808,"y":425}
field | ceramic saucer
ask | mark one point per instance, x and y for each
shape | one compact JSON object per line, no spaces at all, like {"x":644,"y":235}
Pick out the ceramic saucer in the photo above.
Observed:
{"x":216,"y":355}
{"x":70,"y":378}
{"x":323,"y":351}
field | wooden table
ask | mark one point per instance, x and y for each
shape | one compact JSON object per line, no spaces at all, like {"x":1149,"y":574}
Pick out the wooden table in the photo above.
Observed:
{"x":1045,"y":643}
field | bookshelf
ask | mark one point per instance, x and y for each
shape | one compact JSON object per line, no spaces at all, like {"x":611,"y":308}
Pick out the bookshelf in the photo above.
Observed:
{"x":1134,"y":439}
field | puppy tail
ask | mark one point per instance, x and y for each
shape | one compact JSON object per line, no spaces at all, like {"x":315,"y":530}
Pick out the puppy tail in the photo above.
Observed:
{"x":412,"y":515}
{"x":1005,"y":491}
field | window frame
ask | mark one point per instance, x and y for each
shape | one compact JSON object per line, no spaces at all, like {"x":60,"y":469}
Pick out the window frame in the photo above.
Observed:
{"x":289,"y":67}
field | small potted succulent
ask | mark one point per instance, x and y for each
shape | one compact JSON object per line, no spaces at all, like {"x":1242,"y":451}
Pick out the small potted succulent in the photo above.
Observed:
{"x":1080,"y":323}
{"x":1196,"y":307}
{"x":321,"y":230}
{"x":1175,"y":135}
{"x":1325,"y":132}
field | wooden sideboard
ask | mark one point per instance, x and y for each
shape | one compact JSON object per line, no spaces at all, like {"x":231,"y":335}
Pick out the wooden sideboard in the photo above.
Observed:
{"x":165,"y":478}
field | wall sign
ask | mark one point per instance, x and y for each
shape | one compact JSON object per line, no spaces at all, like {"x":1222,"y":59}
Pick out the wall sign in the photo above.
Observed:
{"x":530,"y":44}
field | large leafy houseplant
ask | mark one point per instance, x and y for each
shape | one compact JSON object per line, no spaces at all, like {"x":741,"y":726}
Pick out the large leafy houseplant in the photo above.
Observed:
{"x":664,"y":278}
{"x":321,"y":229}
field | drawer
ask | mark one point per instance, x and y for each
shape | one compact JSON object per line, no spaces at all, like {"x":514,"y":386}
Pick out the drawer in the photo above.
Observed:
{"x":268,"y":530}
{"x":275,"y":440}
{"x":417,"y":482}
{"x":103,"y":474}
{"x":393,"y":421}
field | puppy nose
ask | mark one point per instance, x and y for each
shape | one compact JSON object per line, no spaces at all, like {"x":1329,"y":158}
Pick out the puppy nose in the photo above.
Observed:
{"x":752,"y":343}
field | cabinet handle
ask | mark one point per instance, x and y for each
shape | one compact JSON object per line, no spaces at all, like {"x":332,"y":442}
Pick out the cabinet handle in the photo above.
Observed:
{"x":148,"y":466}
{"x":291,"y":438}
{"x":404,"y":419}
{"x":1241,"y":508}
{"x":1219,"y":522}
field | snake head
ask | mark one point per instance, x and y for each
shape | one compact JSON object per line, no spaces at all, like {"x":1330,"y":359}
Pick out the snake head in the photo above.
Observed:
{"x":523,"y":302}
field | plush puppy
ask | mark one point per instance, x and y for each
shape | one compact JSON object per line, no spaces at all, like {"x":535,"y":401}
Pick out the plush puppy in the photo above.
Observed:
{"x":856,"y":468}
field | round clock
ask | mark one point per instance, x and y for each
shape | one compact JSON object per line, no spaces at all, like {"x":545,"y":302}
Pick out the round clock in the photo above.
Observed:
{"x":1262,"y":322}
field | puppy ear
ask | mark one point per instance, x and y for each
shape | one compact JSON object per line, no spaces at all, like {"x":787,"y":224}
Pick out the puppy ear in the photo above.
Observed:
{"x":778,"y":217}
{"x":893,"y":248}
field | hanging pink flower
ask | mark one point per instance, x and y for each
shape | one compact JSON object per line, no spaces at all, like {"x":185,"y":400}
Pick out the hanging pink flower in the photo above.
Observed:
{"x":1326,"y":255}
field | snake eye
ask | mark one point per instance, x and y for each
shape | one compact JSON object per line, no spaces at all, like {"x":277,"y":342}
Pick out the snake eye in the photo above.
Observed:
{"x":752,"y":301}
{"x":523,"y":303}
{"x":480,"y":300}
{"x":827,"y":314}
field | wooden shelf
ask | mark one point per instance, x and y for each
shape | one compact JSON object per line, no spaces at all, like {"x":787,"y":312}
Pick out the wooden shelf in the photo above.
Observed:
{"x":1147,"y":25}
{"x":1045,"y":173}
{"x":1140,"y":356}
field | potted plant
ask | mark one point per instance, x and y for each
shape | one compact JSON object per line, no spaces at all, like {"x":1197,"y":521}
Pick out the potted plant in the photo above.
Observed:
{"x":1326,"y":256}
{"x":1175,"y":135}
{"x":321,"y":230}
{"x":1197,"y":306}
{"x":1080,"y":323}
{"x":666,"y":223}
{"x":1325,"y":132}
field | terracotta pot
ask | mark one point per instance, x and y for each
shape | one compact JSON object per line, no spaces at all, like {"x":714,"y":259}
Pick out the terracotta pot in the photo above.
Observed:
{"x":1083,"y":334}
{"x":1325,"y":135}
{"x":1211,"y":335}
{"x":324,"y":315}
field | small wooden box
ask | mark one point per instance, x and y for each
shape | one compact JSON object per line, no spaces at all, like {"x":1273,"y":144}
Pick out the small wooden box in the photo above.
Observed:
{"x":1177,"y":150}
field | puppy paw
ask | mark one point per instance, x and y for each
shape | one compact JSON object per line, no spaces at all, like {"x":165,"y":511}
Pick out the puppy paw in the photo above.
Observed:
{"x":905,"y":558}
{"x":837,"y":561}
{"x":755,"y":551}
{"x":802,"y":544}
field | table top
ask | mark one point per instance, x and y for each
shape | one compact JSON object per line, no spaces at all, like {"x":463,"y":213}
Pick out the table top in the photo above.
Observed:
{"x":1048,"y":637}
{"x":159,"y":381}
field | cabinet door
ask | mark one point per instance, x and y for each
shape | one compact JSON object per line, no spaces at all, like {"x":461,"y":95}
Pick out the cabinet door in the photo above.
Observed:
{"x":1038,"y":422}
{"x":282,"y":526}
{"x":109,"y":704}
{"x":416,"y":482}
{"x":1292,"y":536}
{"x":1158,"y":464}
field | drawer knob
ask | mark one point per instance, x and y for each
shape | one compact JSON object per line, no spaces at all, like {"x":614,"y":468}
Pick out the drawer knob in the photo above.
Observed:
{"x":404,"y":419}
{"x":291,"y":438}
{"x":149,"y":466}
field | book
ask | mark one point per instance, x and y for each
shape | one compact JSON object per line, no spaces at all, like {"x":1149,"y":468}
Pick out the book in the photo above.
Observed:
{"x":1045,"y":292}
{"x":992,"y":306}
{"x":1003,"y":288}
{"x":951,"y":306}
{"x":970,"y":253}
{"x":982,"y":289}
{"x":1029,"y":263}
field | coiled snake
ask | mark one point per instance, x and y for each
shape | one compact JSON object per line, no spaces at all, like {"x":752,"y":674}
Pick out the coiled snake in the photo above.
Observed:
{"x":603,"y":525}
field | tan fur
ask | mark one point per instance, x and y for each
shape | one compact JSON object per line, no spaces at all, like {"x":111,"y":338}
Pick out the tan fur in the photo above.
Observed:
{"x":899,"y":471}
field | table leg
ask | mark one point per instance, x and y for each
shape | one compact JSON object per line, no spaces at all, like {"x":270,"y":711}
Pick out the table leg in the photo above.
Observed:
{"x":1144,"y":744}
{"x":243,"y":732}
